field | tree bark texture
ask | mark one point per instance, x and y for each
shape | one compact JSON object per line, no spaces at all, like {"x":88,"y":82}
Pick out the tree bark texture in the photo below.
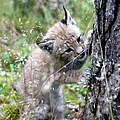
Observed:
{"x":103,"y":98}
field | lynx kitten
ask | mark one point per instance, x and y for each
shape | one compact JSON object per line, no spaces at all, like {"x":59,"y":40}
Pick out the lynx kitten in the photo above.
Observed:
{"x":57,"y":61}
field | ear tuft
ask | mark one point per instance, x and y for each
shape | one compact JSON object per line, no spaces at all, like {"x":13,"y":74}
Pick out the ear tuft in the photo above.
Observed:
{"x":67,"y":17}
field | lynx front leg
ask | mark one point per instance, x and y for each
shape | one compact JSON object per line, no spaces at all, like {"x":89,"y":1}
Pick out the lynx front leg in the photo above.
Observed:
{"x":56,"y":101}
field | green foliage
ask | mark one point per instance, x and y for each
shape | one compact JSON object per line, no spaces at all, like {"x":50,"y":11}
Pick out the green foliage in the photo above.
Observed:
{"x":10,"y":112}
{"x":23,"y":7}
{"x":82,"y":11}
{"x":21,"y":25}
{"x":12,"y":60}
{"x":9,"y":108}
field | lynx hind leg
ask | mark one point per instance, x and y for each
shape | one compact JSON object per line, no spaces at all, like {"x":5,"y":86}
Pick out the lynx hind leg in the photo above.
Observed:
{"x":35,"y":113}
{"x":56,"y":102}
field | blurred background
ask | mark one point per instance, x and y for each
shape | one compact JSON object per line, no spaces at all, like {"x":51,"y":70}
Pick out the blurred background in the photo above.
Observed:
{"x":22,"y":23}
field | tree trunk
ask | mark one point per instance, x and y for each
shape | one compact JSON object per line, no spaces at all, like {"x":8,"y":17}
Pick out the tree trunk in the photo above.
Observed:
{"x":103,"y":98}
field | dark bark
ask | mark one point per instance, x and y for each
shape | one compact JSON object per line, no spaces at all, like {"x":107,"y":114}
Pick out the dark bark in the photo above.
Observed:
{"x":103,"y":98}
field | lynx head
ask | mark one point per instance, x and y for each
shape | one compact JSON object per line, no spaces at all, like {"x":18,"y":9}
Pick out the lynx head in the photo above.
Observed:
{"x":65,"y":42}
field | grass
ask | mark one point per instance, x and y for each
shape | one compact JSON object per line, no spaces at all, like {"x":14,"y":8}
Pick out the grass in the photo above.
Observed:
{"x":18,"y":34}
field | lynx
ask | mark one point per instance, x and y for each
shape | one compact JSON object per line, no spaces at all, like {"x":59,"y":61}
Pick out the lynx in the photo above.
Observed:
{"x":57,"y":61}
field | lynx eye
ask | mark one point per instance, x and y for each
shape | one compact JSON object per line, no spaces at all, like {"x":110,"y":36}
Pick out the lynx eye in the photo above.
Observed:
{"x":70,"y":49}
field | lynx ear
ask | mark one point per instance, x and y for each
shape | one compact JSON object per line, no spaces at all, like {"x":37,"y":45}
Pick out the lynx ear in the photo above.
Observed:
{"x":46,"y":45}
{"x":67,"y":18}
